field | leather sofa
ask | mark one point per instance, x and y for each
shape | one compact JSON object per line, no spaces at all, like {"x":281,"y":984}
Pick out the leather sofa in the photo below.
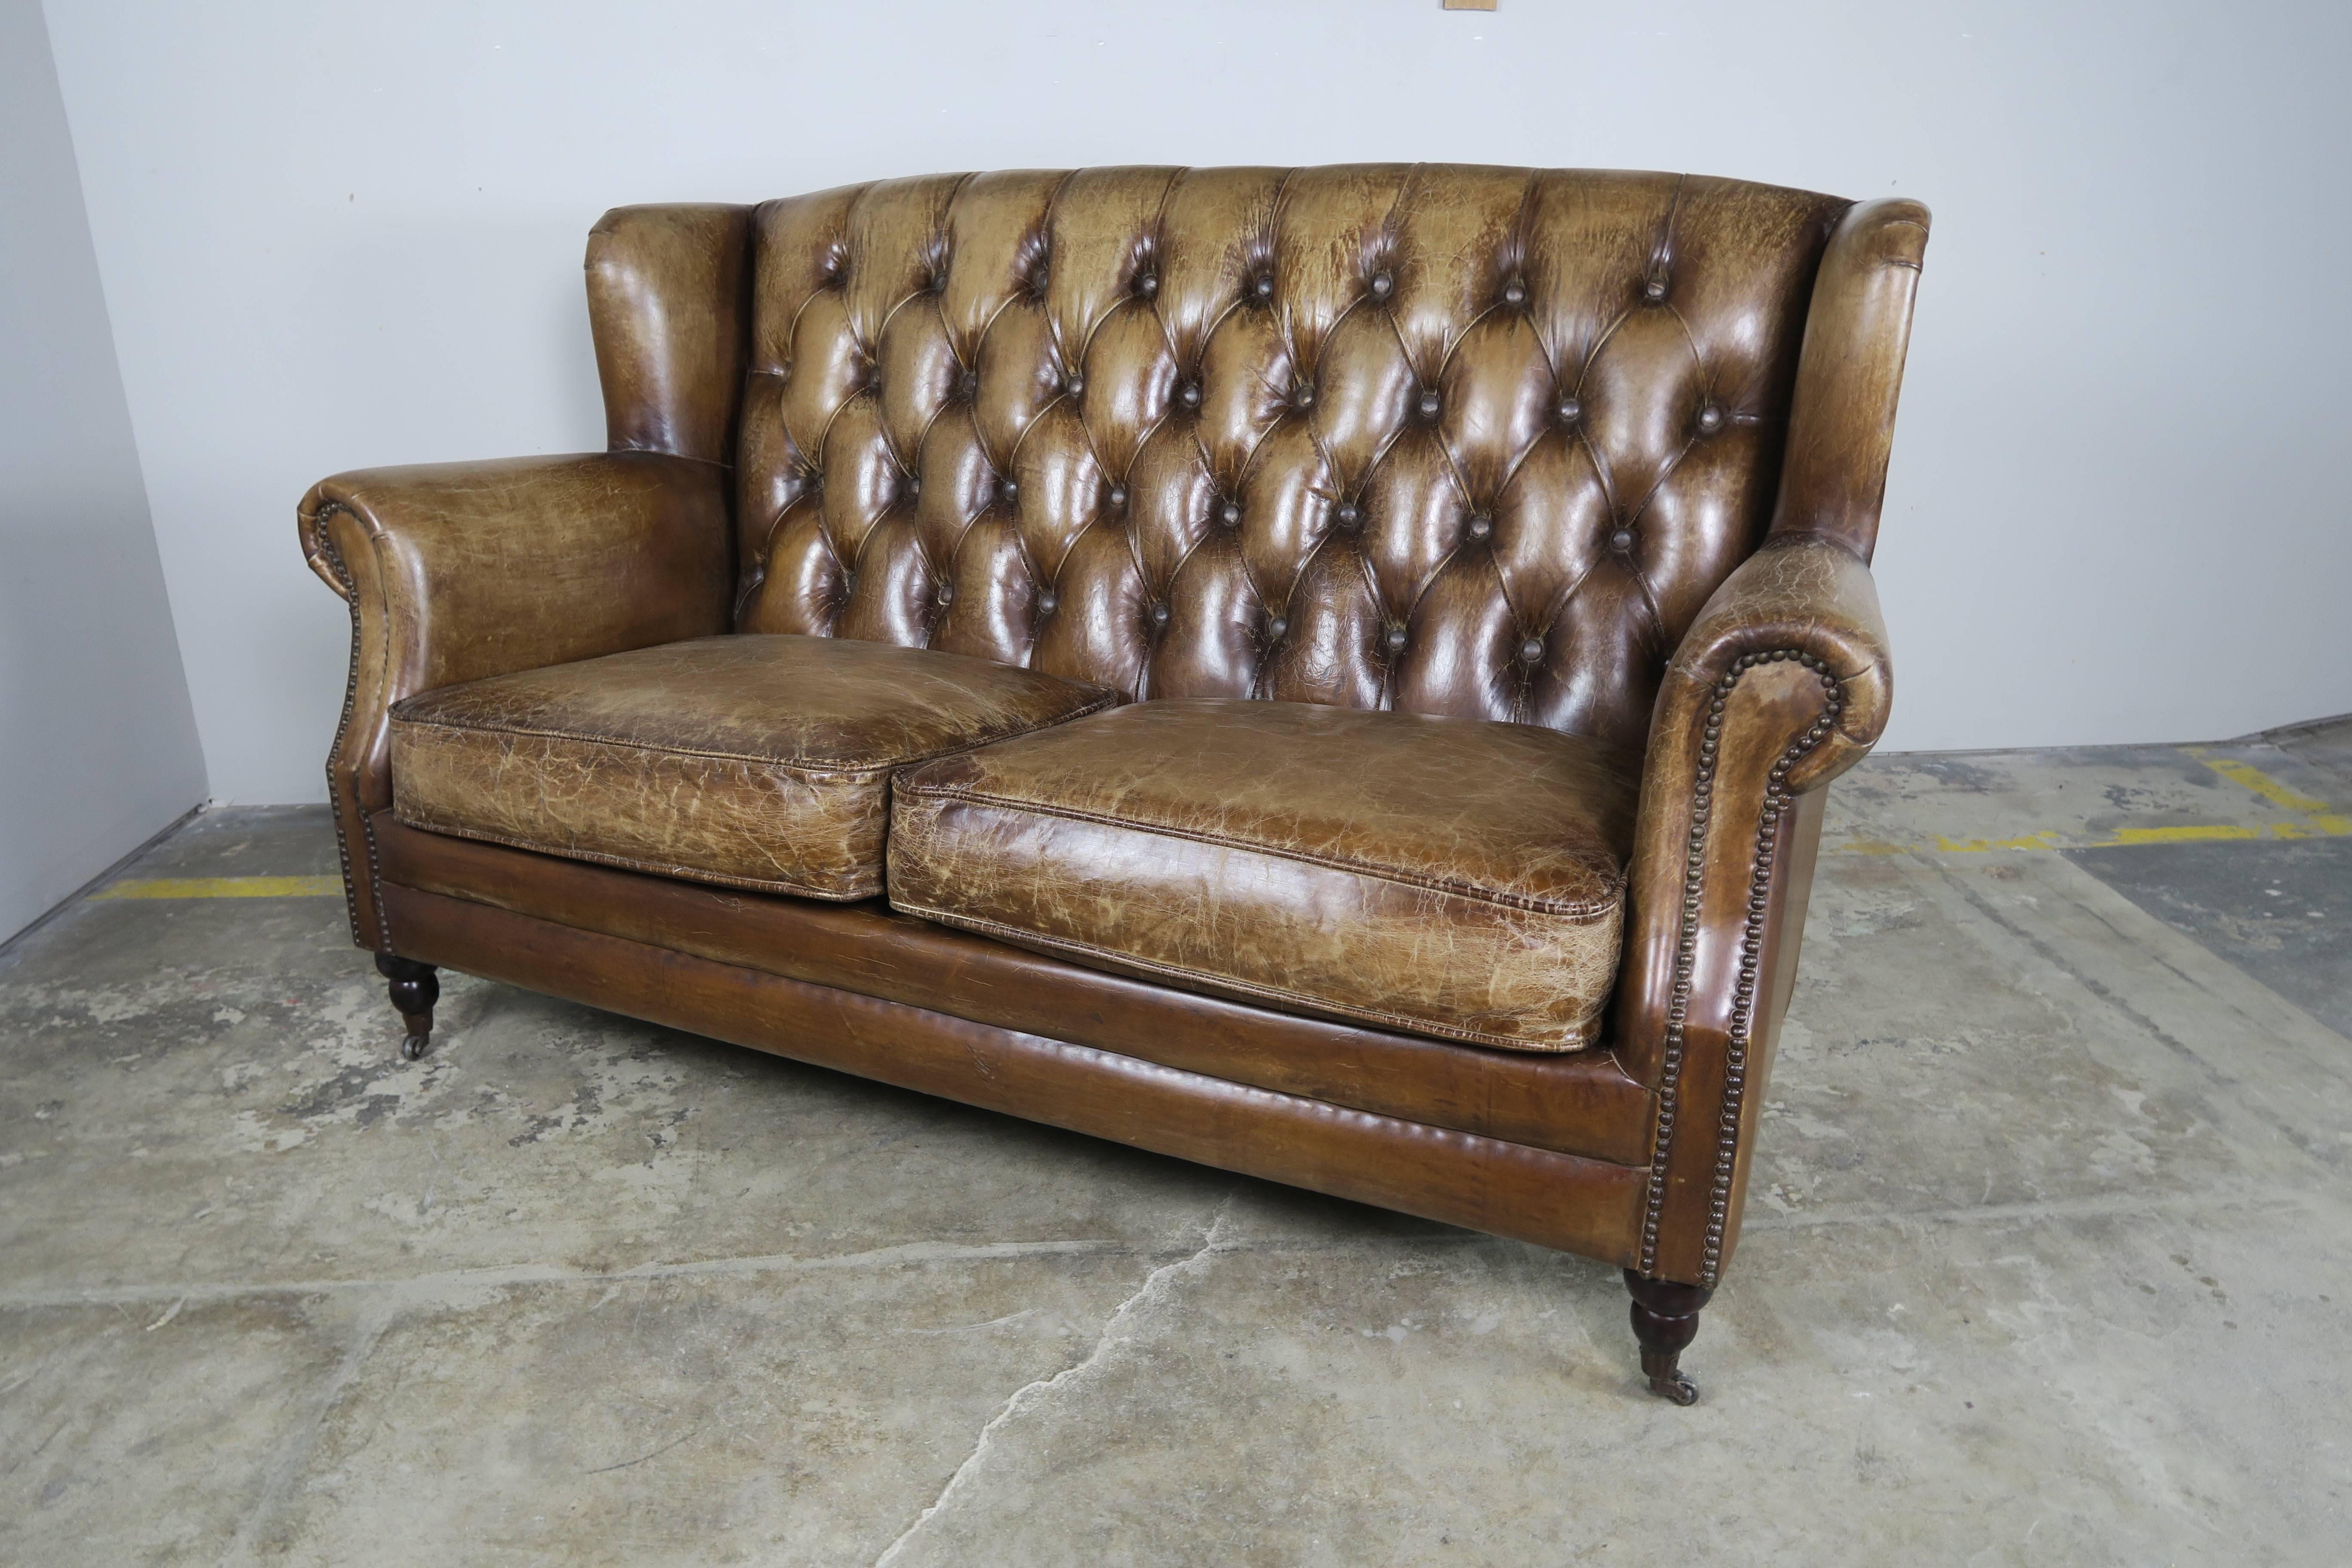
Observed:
{"x":1329,"y":673}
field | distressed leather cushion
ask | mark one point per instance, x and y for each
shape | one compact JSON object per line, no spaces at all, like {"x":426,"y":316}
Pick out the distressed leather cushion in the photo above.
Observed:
{"x":1450,"y":877}
{"x":753,"y":762}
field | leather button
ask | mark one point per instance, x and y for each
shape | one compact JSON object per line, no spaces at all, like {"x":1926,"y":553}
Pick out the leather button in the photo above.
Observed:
{"x":914,"y":487}
{"x":1007,"y":493}
{"x":1276,"y":629}
{"x":967,"y":385}
{"x":1382,"y":285}
{"x":1118,"y":497}
{"x":1158,"y":615}
{"x":1230,"y":514}
{"x":1621,"y":540}
{"x":1146,"y":284}
{"x":1349,"y":516}
{"x":1570,"y":411}
{"x":1394,"y":640}
{"x":1302,"y":396}
{"x":1654,"y":290}
{"x":1262,"y":286}
{"x":1074,"y":385}
{"x":946,"y":593}
{"x":1710,"y":418}
{"x":1532,"y":651}
{"x":1515,"y":292}
{"x":1046,"y":603}
{"x":1189,"y":394}
{"x":1430,"y":402}
{"x":1479,"y":526}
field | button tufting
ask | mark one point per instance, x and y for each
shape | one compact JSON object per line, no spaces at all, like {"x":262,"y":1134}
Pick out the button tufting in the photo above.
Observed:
{"x":1158,"y":615}
{"x":1430,"y":402}
{"x":1302,"y":396}
{"x":1230,"y":514}
{"x":1710,"y":418}
{"x":1654,"y":290}
{"x":1277,"y":628}
{"x":1394,"y":640}
{"x":1532,"y":651}
{"x":1347,"y":516}
{"x":967,"y":385}
{"x":1621,"y":540}
{"x":1074,"y":385}
{"x":947,"y":593}
{"x":1480,"y":525}
{"x":1046,"y":603}
{"x":1570,"y":410}
{"x":1262,"y":286}
{"x":1515,"y":292}
{"x":1007,"y":493}
{"x":1189,"y":394}
{"x":915,"y":487}
{"x":1382,"y":285}
{"x":1118,"y":496}
{"x":1146,"y":284}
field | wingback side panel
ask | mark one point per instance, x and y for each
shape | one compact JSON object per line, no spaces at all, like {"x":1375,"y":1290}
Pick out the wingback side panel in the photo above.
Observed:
{"x":1453,"y":440}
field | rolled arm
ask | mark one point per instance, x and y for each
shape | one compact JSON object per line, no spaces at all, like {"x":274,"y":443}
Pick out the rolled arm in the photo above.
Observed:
{"x":1782,"y":684}
{"x":455,"y":572}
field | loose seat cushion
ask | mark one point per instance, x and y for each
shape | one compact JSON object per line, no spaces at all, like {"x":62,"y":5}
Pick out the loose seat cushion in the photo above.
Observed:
{"x":1450,"y":877}
{"x":754,"y":762}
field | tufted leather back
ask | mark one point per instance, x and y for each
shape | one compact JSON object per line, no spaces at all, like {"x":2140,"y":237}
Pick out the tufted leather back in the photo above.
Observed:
{"x":1455,"y":440}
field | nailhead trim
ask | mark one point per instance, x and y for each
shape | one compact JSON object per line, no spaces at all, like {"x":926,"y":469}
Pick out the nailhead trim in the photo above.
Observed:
{"x":334,"y":558}
{"x":1776,"y":801}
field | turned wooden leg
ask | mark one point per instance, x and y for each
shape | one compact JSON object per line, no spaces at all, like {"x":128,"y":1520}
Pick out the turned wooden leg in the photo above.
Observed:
{"x":414,"y":989}
{"x":1665,"y":1319}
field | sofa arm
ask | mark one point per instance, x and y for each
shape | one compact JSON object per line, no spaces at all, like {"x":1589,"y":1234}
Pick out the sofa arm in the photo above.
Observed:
{"x":459,"y":571}
{"x":1782,"y":684}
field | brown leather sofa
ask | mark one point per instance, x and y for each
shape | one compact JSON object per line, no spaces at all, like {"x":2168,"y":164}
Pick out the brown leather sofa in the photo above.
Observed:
{"x":1329,"y":673}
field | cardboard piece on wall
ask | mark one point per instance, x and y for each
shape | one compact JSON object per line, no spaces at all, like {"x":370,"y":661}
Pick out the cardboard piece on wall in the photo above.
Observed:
{"x":1469,"y":4}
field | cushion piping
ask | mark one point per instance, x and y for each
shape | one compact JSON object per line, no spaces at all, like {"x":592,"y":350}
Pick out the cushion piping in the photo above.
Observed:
{"x":1582,"y":912}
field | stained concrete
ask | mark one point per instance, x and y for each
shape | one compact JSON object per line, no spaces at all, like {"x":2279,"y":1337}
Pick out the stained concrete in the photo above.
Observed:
{"x":2046,"y":1258}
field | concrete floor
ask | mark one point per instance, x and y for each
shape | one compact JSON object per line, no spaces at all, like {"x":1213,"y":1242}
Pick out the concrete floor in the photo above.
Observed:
{"x":2046,"y":1259}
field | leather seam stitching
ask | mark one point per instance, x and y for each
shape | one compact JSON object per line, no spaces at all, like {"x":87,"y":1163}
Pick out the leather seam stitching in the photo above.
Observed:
{"x":1370,"y":1015}
{"x":1582,"y":913}
{"x":677,"y":872}
{"x":812,"y":767}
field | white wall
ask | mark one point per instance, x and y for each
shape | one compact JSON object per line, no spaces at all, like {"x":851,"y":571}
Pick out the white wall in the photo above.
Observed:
{"x":97,"y":745}
{"x":350,"y":234}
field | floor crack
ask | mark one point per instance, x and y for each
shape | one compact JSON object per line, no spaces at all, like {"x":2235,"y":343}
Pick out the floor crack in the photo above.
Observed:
{"x":1155,"y":1288}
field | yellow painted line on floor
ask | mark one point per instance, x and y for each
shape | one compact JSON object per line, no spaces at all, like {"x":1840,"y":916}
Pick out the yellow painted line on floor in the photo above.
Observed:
{"x":223,"y":887}
{"x":2326,"y":821}
{"x":2318,"y":820}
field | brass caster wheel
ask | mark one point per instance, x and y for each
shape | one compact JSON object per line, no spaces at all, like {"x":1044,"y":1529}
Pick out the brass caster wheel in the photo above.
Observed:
{"x":1676,"y":1387}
